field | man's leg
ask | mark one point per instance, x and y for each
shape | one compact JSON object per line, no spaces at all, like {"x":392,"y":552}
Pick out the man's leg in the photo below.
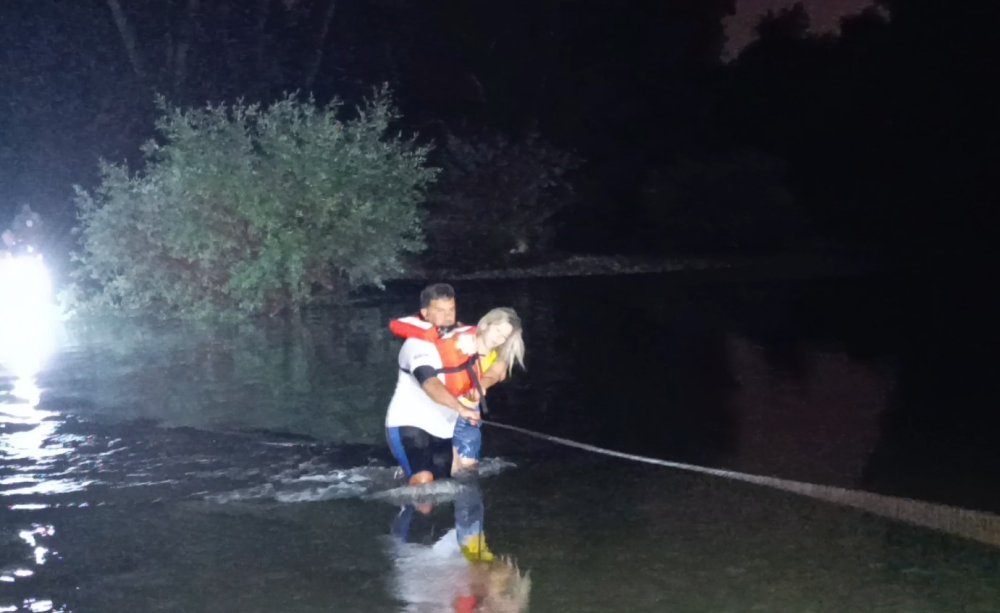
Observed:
{"x":422,"y":456}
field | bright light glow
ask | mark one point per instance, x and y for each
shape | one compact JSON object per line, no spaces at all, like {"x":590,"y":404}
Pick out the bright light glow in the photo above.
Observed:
{"x":27,"y":315}
{"x":27,"y":337}
{"x":28,"y":320}
{"x":27,"y":279}
{"x":27,"y":390}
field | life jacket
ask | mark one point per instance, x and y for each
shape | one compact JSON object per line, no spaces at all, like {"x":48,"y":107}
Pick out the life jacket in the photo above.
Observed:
{"x":460,"y":370}
{"x":414,"y":326}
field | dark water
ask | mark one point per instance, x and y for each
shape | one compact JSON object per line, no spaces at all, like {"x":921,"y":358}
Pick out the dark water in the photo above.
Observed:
{"x":183,"y":467}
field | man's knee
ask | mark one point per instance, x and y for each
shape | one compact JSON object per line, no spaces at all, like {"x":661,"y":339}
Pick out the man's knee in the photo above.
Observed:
{"x":422,"y":477}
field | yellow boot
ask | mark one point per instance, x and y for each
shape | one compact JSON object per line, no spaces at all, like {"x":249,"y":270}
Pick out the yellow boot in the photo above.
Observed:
{"x":475,"y":549}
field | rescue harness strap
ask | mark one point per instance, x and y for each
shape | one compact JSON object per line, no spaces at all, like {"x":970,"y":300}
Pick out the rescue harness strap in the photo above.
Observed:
{"x":470,"y":367}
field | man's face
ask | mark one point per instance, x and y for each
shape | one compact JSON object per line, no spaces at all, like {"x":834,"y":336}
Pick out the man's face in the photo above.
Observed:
{"x":440,"y":313}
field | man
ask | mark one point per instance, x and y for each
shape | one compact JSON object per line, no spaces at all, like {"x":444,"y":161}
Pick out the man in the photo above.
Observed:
{"x":422,"y":413}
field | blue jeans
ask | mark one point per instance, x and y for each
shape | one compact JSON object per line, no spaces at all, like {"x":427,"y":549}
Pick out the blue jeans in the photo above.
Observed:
{"x":468,"y":439}
{"x":469,"y":512}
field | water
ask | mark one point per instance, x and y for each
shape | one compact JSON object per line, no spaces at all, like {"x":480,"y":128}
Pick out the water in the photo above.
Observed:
{"x":185,"y":467}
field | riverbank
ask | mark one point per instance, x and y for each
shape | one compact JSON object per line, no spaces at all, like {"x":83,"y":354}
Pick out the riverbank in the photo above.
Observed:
{"x":800,"y":265}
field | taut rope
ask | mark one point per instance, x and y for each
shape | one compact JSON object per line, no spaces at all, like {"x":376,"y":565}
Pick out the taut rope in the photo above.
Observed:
{"x":976,"y":525}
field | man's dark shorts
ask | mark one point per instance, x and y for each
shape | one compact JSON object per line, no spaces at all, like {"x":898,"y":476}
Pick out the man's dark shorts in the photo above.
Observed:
{"x":417,"y":451}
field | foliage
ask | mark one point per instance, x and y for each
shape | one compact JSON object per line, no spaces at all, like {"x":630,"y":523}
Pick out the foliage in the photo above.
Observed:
{"x":496,"y":199}
{"x":727,"y":202}
{"x":244,"y":209}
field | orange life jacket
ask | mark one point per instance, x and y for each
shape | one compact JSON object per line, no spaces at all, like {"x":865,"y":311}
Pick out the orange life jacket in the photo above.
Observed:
{"x":458,"y":367}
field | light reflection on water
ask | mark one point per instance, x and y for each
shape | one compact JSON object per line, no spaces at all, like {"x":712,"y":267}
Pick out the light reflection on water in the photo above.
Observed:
{"x":29,"y":445}
{"x":33,"y":538}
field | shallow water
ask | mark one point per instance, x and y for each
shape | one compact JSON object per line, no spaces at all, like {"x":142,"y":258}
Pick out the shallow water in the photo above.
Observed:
{"x":185,"y":467}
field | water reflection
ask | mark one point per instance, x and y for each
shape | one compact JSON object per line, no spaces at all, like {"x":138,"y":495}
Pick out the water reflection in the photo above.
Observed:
{"x":820,"y":425}
{"x":34,"y":538}
{"x":326,"y":377}
{"x":28,"y":447}
{"x":456,"y":571}
{"x":28,"y":443}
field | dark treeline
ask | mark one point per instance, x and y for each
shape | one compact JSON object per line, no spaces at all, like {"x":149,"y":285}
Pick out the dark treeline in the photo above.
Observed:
{"x":874,"y":138}
{"x":884,"y":129}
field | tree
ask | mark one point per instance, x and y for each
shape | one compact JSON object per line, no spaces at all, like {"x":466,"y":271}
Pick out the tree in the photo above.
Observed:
{"x":737,"y":200}
{"x":496,"y":199}
{"x":246,"y":209}
{"x":882,"y":126}
{"x":230,"y":41}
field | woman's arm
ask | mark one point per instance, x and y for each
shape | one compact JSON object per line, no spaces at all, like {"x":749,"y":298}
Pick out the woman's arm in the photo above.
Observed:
{"x":496,"y":373}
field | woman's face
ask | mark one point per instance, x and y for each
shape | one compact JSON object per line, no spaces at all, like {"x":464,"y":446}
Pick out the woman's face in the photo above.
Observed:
{"x":497,"y":334}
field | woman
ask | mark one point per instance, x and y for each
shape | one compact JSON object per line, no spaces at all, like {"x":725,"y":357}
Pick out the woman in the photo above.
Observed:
{"x":499,"y":345}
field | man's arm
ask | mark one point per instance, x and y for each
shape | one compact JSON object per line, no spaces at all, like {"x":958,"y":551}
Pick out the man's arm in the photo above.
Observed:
{"x":440,"y":394}
{"x":427,"y":378}
{"x":421,"y":359}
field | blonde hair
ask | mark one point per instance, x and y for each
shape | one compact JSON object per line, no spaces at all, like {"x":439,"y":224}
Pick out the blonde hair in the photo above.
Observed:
{"x":512,"y":349}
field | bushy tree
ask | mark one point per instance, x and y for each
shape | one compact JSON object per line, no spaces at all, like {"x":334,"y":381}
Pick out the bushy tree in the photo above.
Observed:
{"x":246,"y":209}
{"x":496,"y":199}
{"x":737,"y":200}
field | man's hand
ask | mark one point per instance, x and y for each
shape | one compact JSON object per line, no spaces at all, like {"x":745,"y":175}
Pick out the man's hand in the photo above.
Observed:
{"x":472,"y":415}
{"x":440,"y":394}
{"x":466,"y":344}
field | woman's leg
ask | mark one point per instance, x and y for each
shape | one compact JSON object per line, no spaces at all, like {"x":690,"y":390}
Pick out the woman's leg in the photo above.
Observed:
{"x":467,"y":446}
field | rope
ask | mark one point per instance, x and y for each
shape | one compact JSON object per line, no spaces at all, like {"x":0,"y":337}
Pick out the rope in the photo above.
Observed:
{"x":975,"y":525}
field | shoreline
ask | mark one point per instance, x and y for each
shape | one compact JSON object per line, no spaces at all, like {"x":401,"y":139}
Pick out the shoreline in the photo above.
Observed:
{"x":798,"y":265}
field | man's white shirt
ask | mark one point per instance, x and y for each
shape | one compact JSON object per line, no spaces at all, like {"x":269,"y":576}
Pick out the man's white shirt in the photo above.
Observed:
{"x":410,"y":404}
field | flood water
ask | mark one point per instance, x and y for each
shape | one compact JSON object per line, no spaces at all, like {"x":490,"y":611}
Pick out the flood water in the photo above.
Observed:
{"x":151,"y":466}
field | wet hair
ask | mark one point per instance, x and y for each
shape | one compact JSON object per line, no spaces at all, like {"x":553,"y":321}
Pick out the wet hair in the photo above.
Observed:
{"x":436,"y":291}
{"x":512,"y":350}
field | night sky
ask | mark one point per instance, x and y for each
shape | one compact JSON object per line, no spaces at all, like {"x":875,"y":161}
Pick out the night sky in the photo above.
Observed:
{"x":867,"y":138}
{"x":824,"y":16}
